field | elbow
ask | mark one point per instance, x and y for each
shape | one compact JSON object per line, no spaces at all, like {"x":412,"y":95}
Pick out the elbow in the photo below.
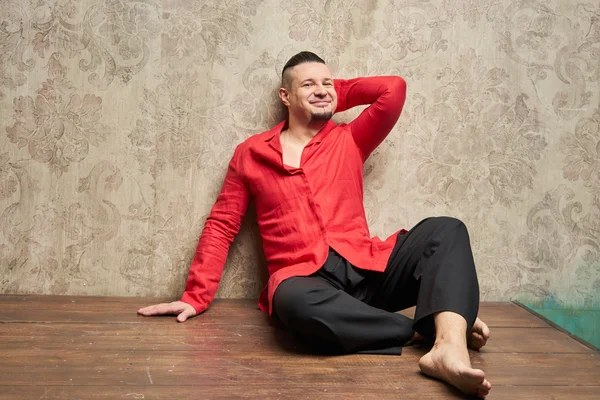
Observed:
{"x":397,"y":92}
{"x":223,"y":228}
{"x":399,"y":86}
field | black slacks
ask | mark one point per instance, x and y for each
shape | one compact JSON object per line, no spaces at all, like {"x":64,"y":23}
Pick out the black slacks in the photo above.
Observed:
{"x":344,"y":309}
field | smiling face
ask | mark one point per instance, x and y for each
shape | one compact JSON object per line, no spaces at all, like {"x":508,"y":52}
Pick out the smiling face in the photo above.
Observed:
{"x":310,"y":95}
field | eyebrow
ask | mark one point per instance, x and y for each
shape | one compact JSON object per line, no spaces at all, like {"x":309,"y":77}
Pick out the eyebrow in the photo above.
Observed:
{"x":312,"y":80}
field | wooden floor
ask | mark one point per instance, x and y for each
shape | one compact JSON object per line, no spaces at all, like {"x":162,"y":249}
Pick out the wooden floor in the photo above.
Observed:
{"x":55,"y":347}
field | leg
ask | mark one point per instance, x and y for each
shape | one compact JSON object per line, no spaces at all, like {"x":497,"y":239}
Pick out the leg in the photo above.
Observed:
{"x":431,"y":267}
{"x":449,"y":360}
{"x":322,"y":314}
{"x":477,"y":337}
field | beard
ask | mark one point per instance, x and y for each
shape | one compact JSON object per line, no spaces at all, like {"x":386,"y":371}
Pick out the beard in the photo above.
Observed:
{"x":321,"y":116}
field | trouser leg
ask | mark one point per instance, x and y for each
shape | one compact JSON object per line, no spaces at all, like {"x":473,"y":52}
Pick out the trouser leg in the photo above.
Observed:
{"x":431,"y":267}
{"x":351,"y":310}
{"x":318,"y":311}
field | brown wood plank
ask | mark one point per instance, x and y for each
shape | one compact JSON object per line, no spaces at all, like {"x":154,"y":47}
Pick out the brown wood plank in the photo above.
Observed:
{"x":68,"y":309}
{"x":284,"y":391}
{"x":267,"y":339}
{"x":540,"y":369}
{"x":532,"y":340}
{"x":38,"y":308}
{"x":131,"y":367}
{"x":501,"y":314}
{"x":130,"y":337}
{"x":194,"y":368}
{"x":97,"y":347}
{"x":278,"y":390}
{"x":559,"y":328}
{"x":545,"y":392}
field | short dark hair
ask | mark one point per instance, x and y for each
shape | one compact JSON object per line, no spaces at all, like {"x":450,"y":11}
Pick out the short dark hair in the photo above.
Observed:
{"x":300,"y":58}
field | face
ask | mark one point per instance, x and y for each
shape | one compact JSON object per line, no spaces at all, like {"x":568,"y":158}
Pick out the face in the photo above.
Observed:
{"x":311,"y":95}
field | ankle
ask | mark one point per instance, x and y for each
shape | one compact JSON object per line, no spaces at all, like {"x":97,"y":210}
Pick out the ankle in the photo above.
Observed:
{"x":454,"y":340}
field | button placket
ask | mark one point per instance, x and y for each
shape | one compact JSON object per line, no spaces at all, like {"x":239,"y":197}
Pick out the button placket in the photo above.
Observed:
{"x":313,"y":204}
{"x":310,"y":149}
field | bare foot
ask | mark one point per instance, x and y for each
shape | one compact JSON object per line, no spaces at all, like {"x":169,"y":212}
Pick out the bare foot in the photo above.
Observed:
{"x":479,"y":335}
{"x":450,"y":362}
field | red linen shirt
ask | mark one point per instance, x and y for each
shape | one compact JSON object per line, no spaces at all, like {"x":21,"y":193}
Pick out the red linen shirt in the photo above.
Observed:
{"x":303,"y":211}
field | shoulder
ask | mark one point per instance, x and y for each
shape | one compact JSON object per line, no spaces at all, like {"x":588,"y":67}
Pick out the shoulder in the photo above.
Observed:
{"x":254,"y":140}
{"x":258,"y":140}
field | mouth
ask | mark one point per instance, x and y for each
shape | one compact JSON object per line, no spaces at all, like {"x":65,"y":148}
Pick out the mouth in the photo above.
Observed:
{"x":320,"y":103}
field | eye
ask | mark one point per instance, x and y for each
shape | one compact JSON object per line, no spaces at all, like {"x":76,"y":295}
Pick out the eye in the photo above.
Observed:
{"x":307,"y":85}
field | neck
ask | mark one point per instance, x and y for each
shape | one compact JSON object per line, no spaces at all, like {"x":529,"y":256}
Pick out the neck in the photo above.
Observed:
{"x":303,"y":131}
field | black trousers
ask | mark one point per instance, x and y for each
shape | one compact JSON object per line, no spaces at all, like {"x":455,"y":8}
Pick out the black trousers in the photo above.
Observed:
{"x":344,"y":309}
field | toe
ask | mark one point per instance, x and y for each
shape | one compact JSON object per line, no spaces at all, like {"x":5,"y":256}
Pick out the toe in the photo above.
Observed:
{"x":474,"y":376}
{"x":480,"y":333}
{"x":476,"y":341}
{"x":485,"y":385}
{"x":483,"y":328}
{"x":476,"y":336}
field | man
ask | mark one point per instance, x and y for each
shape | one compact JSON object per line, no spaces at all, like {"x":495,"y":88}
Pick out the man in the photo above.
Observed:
{"x":330,"y":282}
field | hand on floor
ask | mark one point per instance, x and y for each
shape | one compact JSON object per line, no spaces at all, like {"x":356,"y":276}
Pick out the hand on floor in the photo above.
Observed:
{"x":179,"y":308}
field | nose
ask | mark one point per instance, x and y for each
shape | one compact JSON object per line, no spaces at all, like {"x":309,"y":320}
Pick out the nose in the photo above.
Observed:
{"x":320,"y":91}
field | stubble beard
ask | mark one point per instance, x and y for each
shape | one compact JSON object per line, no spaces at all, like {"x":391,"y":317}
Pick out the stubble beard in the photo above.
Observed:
{"x":322,"y":116}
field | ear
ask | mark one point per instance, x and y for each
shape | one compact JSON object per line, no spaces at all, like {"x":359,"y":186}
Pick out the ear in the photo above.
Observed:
{"x":284,"y":96}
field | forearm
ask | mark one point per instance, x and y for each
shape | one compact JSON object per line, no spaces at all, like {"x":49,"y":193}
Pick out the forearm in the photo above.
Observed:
{"x":222,"y":225}
{"x":207,"y":265}
{"x":389,"y":91}
{"x":386,"y":96}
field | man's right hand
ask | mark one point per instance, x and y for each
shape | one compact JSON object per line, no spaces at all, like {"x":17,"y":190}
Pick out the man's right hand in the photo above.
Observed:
{"x":179,"y":308}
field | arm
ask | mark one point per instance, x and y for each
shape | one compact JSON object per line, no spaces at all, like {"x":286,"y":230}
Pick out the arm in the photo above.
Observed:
{"x":221,"y":226}
{"x":385,"y":94}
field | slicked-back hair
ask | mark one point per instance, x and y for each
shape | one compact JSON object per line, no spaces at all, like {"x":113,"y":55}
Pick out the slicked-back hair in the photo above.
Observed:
{"x":300,"y":58}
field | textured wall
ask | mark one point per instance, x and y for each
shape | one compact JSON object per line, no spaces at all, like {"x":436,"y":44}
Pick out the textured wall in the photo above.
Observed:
{"x":119,"y":117}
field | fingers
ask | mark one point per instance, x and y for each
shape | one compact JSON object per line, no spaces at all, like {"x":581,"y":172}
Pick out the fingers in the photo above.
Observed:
{"x":185,"y":314}
{"x":156,"y":309}
{"x":162,"y":309}
{"x":179,"y":308}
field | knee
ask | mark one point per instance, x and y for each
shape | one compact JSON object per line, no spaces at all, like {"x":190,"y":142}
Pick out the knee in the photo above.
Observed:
{"x":292,"y":303}
{"x":449,"y":221}
{"x":450,"y":224}
{"x":444,"y":229}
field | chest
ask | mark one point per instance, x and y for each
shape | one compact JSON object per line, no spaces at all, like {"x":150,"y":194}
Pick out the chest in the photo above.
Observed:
{"x":322,"y":173}
{"x":292,"y":153}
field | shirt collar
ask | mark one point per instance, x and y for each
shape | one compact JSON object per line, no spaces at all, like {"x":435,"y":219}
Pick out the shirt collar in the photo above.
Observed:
{"x":277,"y":129}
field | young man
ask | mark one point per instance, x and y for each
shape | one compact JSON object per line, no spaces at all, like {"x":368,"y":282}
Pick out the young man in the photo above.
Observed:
{"x":330,"y":282}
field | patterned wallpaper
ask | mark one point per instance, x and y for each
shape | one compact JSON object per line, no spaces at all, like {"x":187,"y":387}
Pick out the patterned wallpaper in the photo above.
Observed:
{"x":119,"y":117}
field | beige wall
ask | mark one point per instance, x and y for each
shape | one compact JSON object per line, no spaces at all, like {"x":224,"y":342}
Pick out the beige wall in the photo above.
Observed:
{"x":119,"y":117}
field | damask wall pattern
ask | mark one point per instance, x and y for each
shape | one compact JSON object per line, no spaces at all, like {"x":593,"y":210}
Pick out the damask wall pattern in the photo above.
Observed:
{"x":119,"y":117}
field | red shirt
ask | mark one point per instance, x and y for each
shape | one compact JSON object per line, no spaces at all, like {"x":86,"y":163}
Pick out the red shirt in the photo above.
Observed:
{"x":301,"y":212}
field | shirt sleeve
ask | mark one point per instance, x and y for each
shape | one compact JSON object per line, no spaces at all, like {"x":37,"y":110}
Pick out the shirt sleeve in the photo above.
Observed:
{"x":386,"y":96}
{"x":222,"y":225}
